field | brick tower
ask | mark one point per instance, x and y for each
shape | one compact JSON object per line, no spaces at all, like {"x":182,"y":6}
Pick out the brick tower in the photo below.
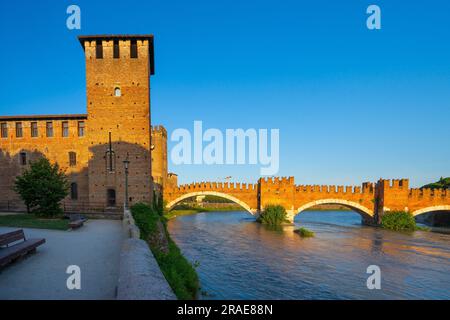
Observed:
{"x":159,"y":155}
{"x":118,"y":69}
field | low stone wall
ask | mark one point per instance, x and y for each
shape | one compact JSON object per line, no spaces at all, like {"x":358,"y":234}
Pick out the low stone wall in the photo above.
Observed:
{"x":130,"y":228}
{"x":140,"y":277}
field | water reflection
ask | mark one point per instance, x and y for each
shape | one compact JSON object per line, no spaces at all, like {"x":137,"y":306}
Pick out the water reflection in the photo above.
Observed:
{"x":241,"y":259}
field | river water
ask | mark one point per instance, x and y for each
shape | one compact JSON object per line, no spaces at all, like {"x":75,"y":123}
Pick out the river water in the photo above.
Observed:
{"x":241,"y":259}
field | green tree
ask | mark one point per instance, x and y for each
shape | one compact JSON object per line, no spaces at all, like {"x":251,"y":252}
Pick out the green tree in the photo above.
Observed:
{"x":42,"y":187}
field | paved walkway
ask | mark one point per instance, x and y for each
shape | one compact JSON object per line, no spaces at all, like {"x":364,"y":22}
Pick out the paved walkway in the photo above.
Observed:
{"x":95,"y":248}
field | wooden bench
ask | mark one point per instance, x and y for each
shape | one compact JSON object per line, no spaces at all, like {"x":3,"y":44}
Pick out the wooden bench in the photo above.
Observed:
{"x":12,"y":248}
{"x":76,"y":221}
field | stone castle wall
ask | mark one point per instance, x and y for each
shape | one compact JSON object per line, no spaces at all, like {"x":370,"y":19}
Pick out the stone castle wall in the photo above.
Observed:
{"x":118,"y":106}
{"x":55,"y":148}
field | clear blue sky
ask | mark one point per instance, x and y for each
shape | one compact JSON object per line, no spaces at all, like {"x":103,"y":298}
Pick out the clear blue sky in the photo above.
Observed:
{"x":351,"y":104}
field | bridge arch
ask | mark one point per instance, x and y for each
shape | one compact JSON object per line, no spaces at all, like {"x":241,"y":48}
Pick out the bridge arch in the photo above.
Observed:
{"x":172,"y":203}
{"x":362,"y":210}
{"x":431,"y":209}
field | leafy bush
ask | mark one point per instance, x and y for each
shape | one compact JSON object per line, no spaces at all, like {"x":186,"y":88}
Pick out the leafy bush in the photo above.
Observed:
{"x":179,"y":272}
{"x":304,"y":233}
{"x":42,"y":187}
{"x":273,"y":215}
{"x":399,"y":221}
{"x":145,"y":219}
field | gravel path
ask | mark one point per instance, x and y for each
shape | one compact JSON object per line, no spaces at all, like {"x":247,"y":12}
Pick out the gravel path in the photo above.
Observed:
{"x":95,"y":248}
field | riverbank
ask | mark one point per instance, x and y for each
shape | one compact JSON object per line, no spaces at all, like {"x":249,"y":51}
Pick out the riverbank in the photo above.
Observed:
{"x":140,"y":276}
{"x":178,"y":271}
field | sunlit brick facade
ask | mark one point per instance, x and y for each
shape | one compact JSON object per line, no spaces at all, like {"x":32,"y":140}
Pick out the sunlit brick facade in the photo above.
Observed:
{"x":91,"y":147}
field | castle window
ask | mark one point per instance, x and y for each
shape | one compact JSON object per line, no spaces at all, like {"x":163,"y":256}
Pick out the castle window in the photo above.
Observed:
{"x":19,"y":131}
{"x":116,"y":50}
{"x":134,"y":51}
{"x":110,"y":161}
{"x":72,"y":159}
{"x":4,"y":130}
{"x":111,"y":197}
{"x":117,"y":92}
{"x":99,"y":49}
{"x":73,"y":191}
{"x":49,"y":129}
{"x":65,"y":129}
{"x":81,"y":128}
{"x":23,"y":158}
{"x":34,"y":129}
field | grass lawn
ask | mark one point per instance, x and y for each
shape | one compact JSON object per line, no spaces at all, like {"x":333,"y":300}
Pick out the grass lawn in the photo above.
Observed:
{"x":31,"y":221}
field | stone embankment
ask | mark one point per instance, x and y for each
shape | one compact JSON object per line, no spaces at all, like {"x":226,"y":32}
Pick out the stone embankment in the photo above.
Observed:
{"x":140,"y":277}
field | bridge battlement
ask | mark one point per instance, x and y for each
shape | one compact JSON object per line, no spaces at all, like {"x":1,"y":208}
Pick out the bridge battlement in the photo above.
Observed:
{"x":276,"y":181}
{"x":417,"y":193}
{"x":214,"y":186}
{"x":394,"y":183}
{"x":288,"y":183}
{"x":371,"y":200}
{"x":333,"y":189}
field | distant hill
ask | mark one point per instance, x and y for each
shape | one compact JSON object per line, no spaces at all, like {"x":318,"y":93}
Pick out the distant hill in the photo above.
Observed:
{"x":443,"y":183}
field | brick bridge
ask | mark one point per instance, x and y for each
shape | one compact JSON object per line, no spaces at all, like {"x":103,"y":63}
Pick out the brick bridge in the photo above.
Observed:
{"x":370,"y":200}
